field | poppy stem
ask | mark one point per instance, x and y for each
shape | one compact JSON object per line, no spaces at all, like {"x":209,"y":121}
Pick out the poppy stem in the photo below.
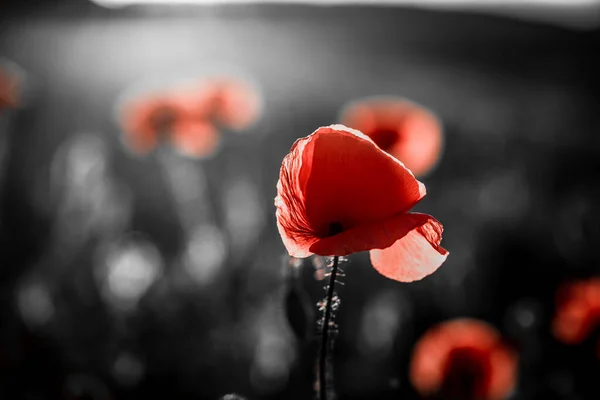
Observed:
{"x":326,"y":324}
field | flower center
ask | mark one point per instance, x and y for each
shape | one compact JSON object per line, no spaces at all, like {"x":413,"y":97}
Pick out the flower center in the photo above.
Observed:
{"x":335,"y":228}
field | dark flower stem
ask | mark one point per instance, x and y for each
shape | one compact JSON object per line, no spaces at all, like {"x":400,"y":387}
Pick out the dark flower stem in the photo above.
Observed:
{"x":325,"y":330}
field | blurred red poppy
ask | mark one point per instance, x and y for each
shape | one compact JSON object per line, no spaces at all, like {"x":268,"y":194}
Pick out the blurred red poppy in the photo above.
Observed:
{"x":227,"y":102}
{"x":9,"y":90}
{"x":404,"y":129}
{"x":463,"y":359}
{"x":168,"y":116}
{"x":577,"y":311}
{"x":338,"y":193}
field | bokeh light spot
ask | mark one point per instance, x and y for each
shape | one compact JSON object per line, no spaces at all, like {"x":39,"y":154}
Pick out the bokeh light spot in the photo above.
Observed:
{"x":205,"y":254}
{"x":244,"y":215}
{"x":274,"y":350}
{"x":128,"y":370}
{"x":381,"y":319}
{"x":35,"y":303}
{"x":128,"y":269}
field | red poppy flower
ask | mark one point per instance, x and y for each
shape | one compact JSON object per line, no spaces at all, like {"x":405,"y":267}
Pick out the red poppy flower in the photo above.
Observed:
{"x":405,"y":130}
{"x":168,"y":116}
{"x":464,"y":359}
{"x":338,"y":193}
{"x":9,"y":90}
{"x":227,"y":102}
{"x":578,"y":311}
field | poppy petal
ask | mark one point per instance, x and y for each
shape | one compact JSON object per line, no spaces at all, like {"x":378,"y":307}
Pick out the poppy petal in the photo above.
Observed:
{"x":578,"y":305}
{"x":239,"y":105}
{"x":295,"y":231}
{"x":416,"y":253}
{"x":349,"y":181}
{"x":503,"y":362}
{"x":409,"y":245}
{"x":199,"y":101}
{"x":144,"y":119}
{"x":195,"y":138}
{"x":140,"y":139}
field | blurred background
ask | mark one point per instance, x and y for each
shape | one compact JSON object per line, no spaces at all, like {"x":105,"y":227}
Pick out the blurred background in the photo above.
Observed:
{"x":146,"y":269}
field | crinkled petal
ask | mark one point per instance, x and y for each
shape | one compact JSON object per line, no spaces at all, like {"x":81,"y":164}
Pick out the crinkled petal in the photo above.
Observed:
{"x":417,"y":251}
{"x":296,"y":233}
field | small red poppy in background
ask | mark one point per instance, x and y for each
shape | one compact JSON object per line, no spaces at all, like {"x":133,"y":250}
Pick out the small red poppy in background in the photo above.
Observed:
{"x":190,"y":116}
{"x":167,"y":116}
{"x":338,"y":193}
{"x":577,"y":311}
{"x":404,"y":129}
{"x":9,"y":89}
{"x":226,"y":102}
{"x":463,"y":359}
